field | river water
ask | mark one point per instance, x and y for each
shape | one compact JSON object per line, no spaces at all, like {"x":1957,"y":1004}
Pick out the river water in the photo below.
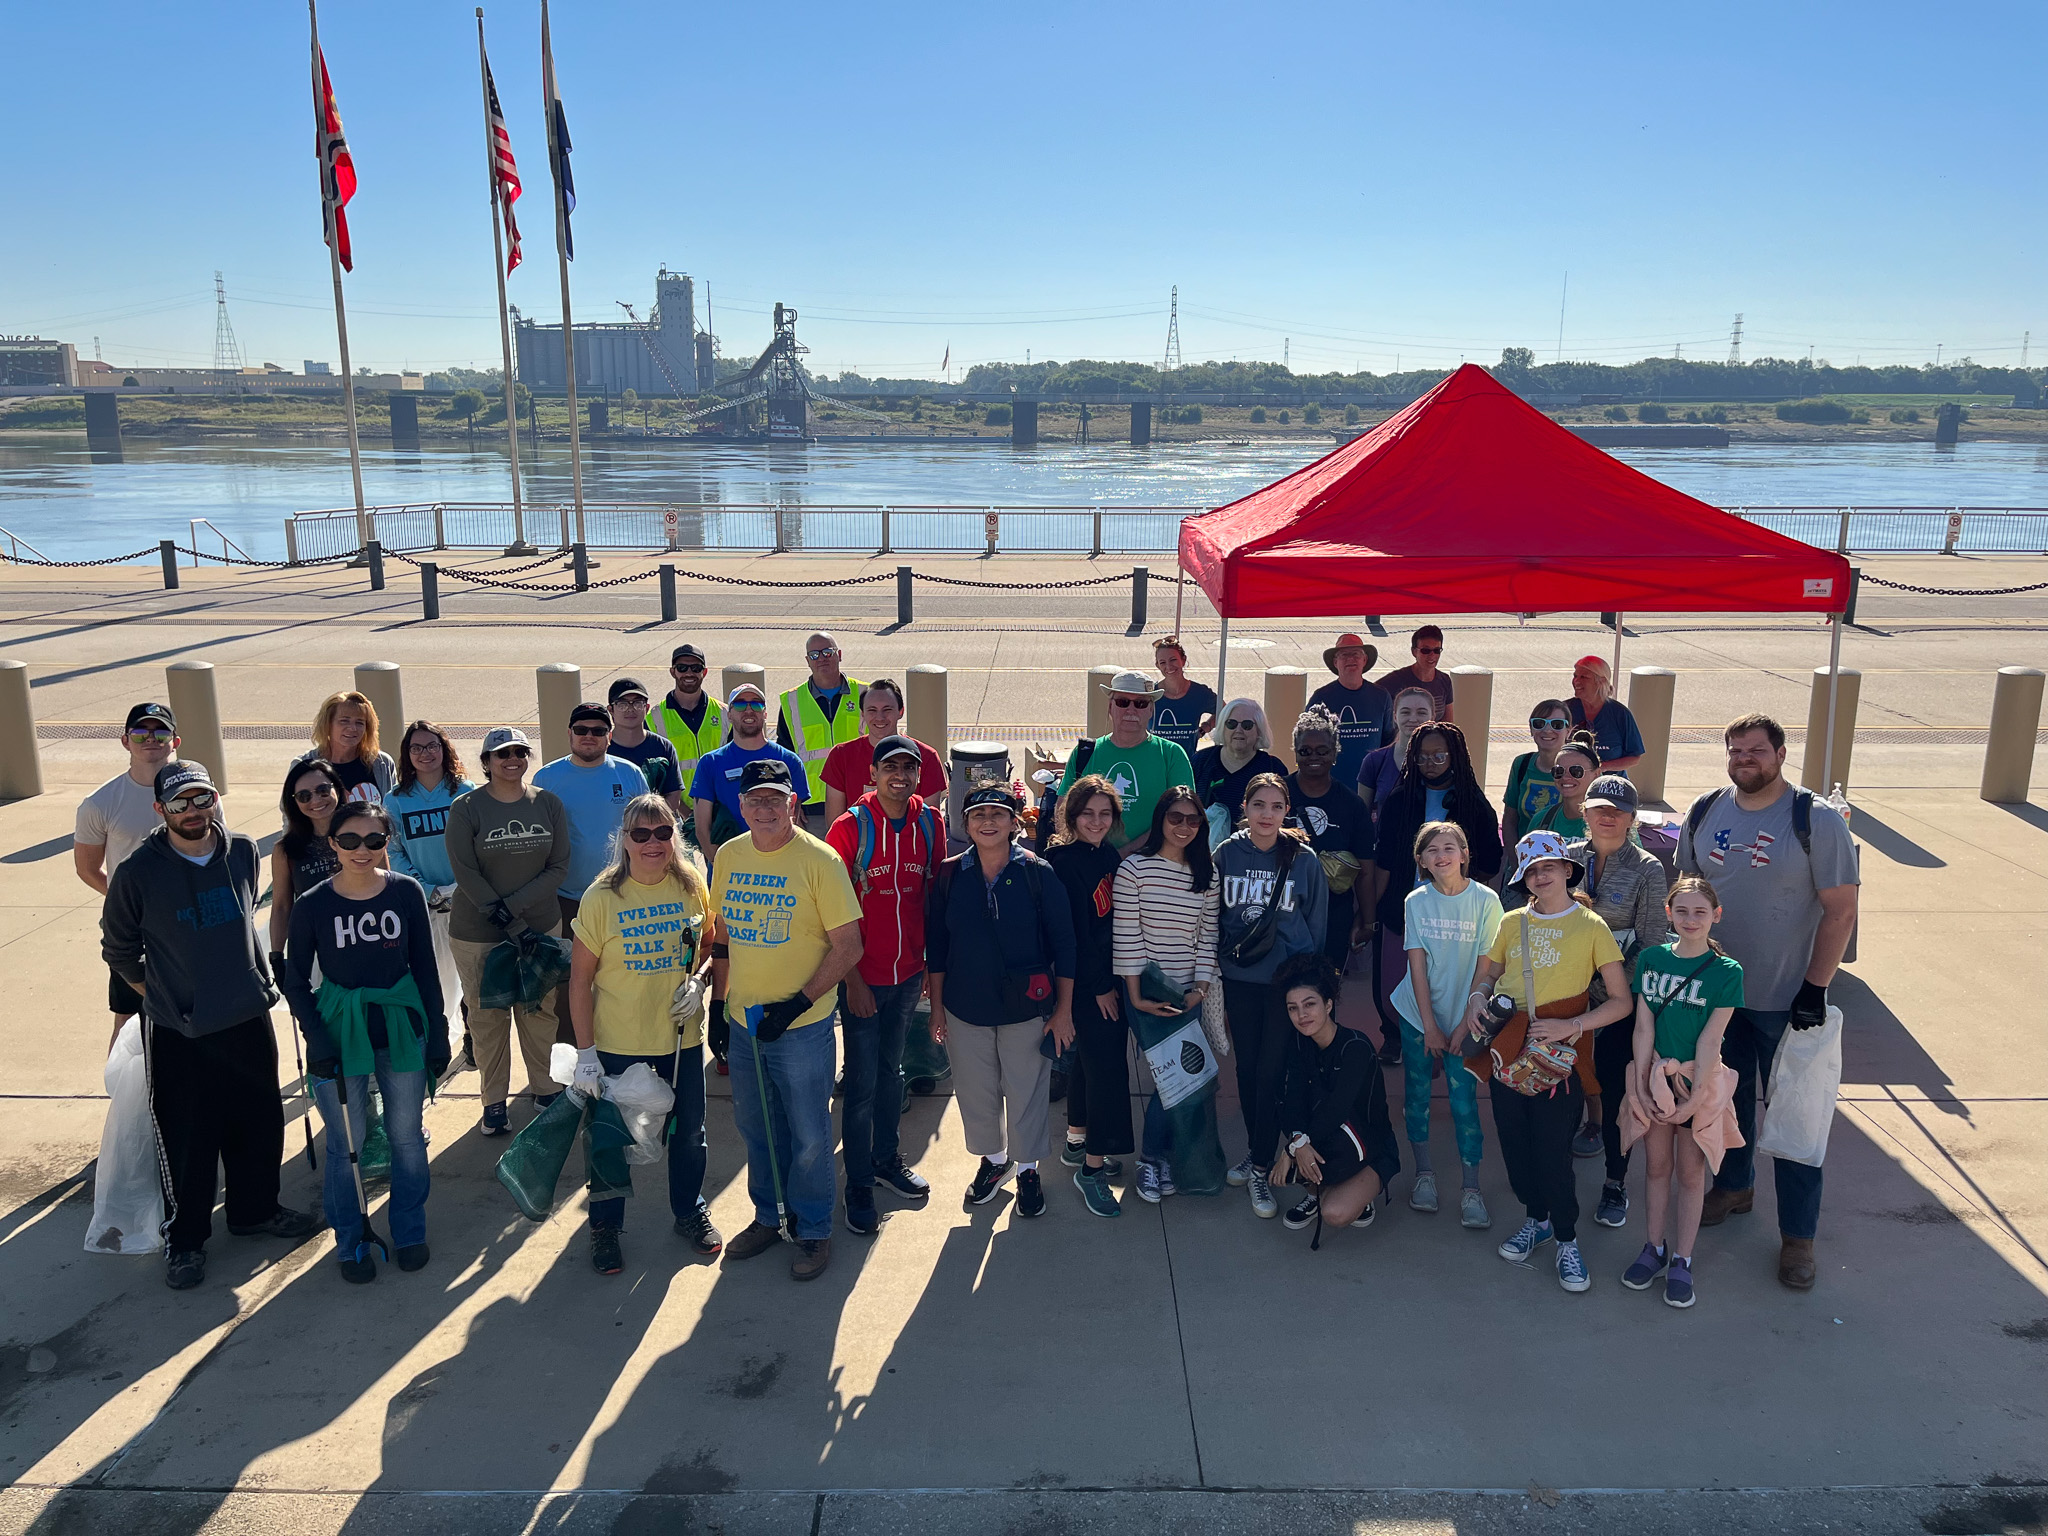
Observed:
{"x":73,"y":504}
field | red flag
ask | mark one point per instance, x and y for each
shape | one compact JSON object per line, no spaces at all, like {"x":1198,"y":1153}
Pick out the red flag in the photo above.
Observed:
{"x":337,"y":169}
{"x":504,"y":170}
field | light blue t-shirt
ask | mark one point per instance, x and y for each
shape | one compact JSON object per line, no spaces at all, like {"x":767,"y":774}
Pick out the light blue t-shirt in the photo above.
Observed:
{"x":595,"y":798}
{"x":1452,"y":932}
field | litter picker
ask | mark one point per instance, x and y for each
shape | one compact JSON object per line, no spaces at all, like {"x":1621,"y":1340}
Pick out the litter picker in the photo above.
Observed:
{"x":369,"y":1237}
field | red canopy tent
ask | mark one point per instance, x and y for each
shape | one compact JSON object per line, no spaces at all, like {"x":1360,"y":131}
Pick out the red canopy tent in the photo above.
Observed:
{"x":1473,"y":501}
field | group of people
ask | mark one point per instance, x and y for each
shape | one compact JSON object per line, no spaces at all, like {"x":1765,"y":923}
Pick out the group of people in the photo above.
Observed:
{"x":721,"y":889}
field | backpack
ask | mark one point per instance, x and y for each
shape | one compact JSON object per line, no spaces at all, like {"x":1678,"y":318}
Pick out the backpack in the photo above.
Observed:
{"x":868,"y":831}
{"x":1802,"y":814}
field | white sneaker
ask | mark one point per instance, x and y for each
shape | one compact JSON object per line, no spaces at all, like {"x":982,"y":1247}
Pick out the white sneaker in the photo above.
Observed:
{"x":1472,"y":1211}
{"x":1531,"y":1236}
{"x":1261,"y":1189}
{"x":1571,"y":1268}
{"x":1423,"y":1196}
{"x":1240,"y":1173}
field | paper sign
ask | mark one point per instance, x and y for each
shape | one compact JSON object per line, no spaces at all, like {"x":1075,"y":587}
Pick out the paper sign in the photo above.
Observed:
{"x":1820,"y":586}
{"x":1181,"y":1063}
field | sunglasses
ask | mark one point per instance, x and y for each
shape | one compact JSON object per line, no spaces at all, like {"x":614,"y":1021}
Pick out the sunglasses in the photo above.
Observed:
{"x":1577,"y":772}
{"x":1538,"y":723}
{"x":197,"y":800}
{"x":349,"y":842}
{"x":1183,"y":819}
{"x":746,"y":704}
{"x":590,"y":730}
{"x":659,"y":833}
{"x":1429,"y":650}
{"x":522,"y":753}
{"x":1240,"y":725}
{"x":1130,"y":703}
{"x":317,"y":792}
{"x":819,"y":655}
{"x":151,"y":738}
{"x":688,"y":668}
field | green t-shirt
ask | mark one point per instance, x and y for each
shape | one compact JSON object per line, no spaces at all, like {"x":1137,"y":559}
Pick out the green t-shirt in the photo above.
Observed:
{"x":1681,"y":1001}
{"x":1140,"y":775}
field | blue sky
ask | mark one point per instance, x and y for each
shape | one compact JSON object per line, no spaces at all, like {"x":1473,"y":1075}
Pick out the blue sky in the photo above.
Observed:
{"x":1367,"y":182}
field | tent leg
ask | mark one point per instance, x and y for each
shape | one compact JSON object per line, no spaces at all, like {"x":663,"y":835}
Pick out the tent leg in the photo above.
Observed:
{"x":1827,"y":751}
{"x":1619,"y":619}
{"x":1223,"y":663}
{"x":1180,"y":587}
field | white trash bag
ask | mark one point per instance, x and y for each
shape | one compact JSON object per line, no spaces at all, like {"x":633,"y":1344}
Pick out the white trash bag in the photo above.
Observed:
{"x":643,"y":1102}
{"x":1804,"y":1079}
{"x":128,"y":1197}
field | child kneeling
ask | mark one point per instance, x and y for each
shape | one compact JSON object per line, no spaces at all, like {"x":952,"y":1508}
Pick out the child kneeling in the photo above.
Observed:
{"x":1333,"y":1105}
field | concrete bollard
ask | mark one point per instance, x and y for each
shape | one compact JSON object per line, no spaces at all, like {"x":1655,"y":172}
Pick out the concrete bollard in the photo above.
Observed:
{"x":925,"y":706}
{"x":560,"y":685}
{"x":191,"y":695}
{"x":384,"y":686}
{"x":1098,"y":699}
{"x":21,"y":760}
{"x":2015,"y":721}
{"x":746,"y":672}
{"x":1473,"y":703}
{"x":1810,"y":770}
{"x":1286,"y":698}
{"x":1650,"y":691}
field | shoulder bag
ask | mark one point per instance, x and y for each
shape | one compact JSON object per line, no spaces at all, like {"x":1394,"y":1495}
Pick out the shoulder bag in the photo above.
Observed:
{"x":1533,"y":1069}
{"x":1256,"y":942}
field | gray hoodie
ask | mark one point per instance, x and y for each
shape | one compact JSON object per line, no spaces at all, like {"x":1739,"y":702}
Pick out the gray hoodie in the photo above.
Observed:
{"x":183,"y":933}
{"x":1247,"y":879}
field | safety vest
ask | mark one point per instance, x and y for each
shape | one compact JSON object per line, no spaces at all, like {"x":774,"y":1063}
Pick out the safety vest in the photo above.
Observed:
{"x":817,"y":736}
{"x":690,"y":745}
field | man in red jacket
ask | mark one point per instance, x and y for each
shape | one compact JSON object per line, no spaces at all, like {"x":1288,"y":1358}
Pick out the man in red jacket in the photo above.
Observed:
{"x":892,"y":845}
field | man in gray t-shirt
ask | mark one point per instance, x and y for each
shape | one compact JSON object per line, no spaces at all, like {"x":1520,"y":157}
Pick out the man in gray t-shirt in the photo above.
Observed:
{"x":1786,"y":915}
{"x":115,"y":818}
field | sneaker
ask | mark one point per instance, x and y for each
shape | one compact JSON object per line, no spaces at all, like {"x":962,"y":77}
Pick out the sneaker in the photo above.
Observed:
{"x":1030,"y":1193}
{"x":1365,"y":1217}
{"x":1096,"y":1193}
{"x":1571,"y":1268}
{"x":907,"y":1182}
{"x":753,"y":1241}
{"x":1423,"y":1196}
{"x":1472,"y":1211}
{"x":496,"y":1122}
{"x":1112,"y":1167}
{"x":282,"y":1222}
{"x":1263,"y":1203}
{"x":988,"y":1179}
{"x":1390,"y":1049}
{"x":1613,"y":1210}
{"x":412,"y":1258}
{"x":1678,"y":1284}
{"x":361,"y":1269}
{"x":1151,"y":1185}
{"x":1588,"y":1143}
{"x":183,"y":1271}
{"x":861,"y":1215}
{"x":1166,"y":1185}
{"x":1301,"y":1214}
{"x":1527,"y":1239}
{"x":1648,"y":1266}
{"x":1074,"y":1153}
{"x":724,"y":1067}
{"x":702,"y":1236}
{"x":542,"y":1100}
{"x":605,"y":1255}
{"x":812,"y":1258}
{"x":1240,"y":1173}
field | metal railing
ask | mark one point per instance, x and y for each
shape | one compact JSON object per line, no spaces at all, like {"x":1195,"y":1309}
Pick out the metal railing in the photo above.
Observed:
{"x":228,"y":547}
{"x":16,"y":544}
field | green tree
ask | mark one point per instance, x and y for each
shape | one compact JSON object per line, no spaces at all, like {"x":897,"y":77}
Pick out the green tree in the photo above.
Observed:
{"x":1258,"y":415}
{"x":466,"y":403}
{"x":1516,"y":359}
{"x":1313,"y":415}
{"x":1652,"y":413}
{"x":1350,"y":415}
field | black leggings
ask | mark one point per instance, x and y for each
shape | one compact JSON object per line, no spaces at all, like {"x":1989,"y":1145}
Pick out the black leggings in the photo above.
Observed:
{"x":1613,"y":1047}
{"x":1258,"y":1038}
{"x":1099,"y":1080}
{"x":1536,"y":1147}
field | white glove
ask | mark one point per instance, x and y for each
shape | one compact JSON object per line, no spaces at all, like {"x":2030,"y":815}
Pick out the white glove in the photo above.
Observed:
{"x":688,"y":1001}
{"x":589,"y":1080}
{"x":441,"y":898}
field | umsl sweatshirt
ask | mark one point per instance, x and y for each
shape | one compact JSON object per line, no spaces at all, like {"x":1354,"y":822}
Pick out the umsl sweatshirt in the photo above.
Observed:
{"x":182,"y":932}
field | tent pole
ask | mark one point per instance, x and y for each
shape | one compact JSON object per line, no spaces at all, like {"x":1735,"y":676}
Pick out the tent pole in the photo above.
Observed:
{"x":1619,"y":618}
{"x":1827,"y":751}
{"x":1222,"y":663}
{"x":1180,"y":587}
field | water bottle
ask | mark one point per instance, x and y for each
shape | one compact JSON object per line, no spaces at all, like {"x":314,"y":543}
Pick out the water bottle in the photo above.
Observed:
{"x":1839,"y":804}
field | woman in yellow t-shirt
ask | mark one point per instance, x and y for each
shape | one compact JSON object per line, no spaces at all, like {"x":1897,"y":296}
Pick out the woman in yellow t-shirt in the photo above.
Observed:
{"x":638,"y":936}
{"x":1568,"y":945}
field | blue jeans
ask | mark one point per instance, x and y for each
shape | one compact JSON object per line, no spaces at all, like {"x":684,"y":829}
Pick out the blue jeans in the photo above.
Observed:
{"x":797,"y":1069}
{"x":870,"y":1113}
{"x":688,"y":1150}
{"x":1155,"y":1145}
{"x":1748,"y":1046}
{"x":405,"y":1095}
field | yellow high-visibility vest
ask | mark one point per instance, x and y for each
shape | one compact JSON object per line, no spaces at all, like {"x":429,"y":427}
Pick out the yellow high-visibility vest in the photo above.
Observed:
{"x":817,"y":736}
{"x":690,"y":745}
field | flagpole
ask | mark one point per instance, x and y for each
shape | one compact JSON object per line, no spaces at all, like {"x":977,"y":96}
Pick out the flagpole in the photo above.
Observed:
{"x":519,"y":545}
{"x":548,"y":90}
{"x":348,"y":382}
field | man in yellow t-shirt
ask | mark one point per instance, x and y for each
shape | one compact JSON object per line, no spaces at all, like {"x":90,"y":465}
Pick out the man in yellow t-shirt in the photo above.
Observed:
{"x":787,"y":930}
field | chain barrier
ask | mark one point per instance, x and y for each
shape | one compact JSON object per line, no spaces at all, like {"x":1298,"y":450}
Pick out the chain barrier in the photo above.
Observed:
{"x":1027,"y":586}
{"x":76,"y":564}
{"x":1900,"y":586}
{"x":254,"y":564}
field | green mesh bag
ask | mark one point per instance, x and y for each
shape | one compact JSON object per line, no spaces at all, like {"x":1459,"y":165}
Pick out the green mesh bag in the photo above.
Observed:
{"x":605,"y":1139}
{"x":532,"y":1165}
{"x":515,"y":973}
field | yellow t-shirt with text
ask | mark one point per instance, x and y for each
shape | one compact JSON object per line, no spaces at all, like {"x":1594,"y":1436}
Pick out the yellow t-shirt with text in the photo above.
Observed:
{"x":778,"y":909}
{"x":1567,"y":950}
{"x":646,"y":939}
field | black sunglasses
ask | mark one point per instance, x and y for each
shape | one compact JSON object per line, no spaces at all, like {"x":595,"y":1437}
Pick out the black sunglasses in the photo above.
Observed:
{"x":317,"y":792}
{"x":590,"y":730}
{"x":522,"y":753}
{"x":349,"y":842}
{"x":1182,"y":819}
{"x":660,"y":833}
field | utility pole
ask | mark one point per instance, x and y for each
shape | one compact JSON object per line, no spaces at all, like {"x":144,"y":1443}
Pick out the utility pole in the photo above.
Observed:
{"x":1563,"y":294}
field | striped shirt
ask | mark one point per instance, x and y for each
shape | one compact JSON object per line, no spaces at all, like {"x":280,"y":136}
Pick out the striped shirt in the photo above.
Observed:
{"x":1160,"y":918}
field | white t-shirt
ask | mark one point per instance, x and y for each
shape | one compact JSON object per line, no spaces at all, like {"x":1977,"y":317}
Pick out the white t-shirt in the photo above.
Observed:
{"x":119,"y":814}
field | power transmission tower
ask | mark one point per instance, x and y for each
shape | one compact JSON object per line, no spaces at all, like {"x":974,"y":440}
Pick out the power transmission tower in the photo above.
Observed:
{"x":1735,"y":344}
{"x":2025,"y":340}
{"x":1287,"y":353}
{"x":1172,"y":360}
{"x":227,"y":355}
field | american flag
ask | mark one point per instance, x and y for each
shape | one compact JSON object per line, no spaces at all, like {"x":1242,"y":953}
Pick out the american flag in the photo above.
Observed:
{"x":337,"y":169}
{"x":504,"y":171}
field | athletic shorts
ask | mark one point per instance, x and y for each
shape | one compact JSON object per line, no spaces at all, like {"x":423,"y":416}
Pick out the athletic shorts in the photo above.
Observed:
{"x":122,"y":999}
{"x":1365,"y":1141}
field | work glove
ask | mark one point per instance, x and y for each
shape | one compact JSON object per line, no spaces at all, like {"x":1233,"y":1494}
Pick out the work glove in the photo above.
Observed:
{"x":498,"y":915}
{"x":719,"y":1031}
{"x":1810,"y":1007}
{"x":325,"y":1067}
{"x":778,"y":1016}
{"x":527,"y":938}
{"x":589,"y":1080}
{"x":441,"y":898}
{"x":687,"y":1002}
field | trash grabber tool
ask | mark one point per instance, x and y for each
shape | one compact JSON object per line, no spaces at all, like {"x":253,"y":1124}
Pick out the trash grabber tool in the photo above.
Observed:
{"x":369,"y":1236}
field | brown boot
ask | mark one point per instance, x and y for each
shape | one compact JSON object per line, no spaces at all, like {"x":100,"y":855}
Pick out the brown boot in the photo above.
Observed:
{"x":751,"y":1243}
{"x":1720,"y":1204}
{"x":1795,"y":1263}
{"x":813,"y":1257}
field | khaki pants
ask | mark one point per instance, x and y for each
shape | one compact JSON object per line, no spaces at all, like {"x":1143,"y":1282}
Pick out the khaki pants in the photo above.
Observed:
{"x":490,"y":1030}
{"x":1000,"y":1083}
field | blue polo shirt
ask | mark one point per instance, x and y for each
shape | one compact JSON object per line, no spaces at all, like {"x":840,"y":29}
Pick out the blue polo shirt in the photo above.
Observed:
{"x":718,"y":773}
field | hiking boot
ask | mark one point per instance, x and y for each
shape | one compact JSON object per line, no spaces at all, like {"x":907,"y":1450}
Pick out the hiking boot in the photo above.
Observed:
{"x":1587,"y":1142}
{"x":1074,"y":1153}
{"x":696,"y":1228}
{"x":360,"y":1269}
{"x":753,"y":1241}
{"x":861,"y":1215}
{"x":605,"y":1255}
{"x":1030,"y":1193}
{"x":282,"y":1222}
{"x":1151,"y":1184}
{"x":1613,"y":1211}
{"x":1795,"y":1263}
{"x":1530,"y":1236}
{"x":1365,"y":1217}
{"x":1472,"y":1211}
{"x":907,"y":1182}
{"x":1301,"y":1214}
{"x":1720,"y":1204}
{"x":182,"y":1271}
{"x":1649,"y":1264}
{"x":1678,"y":1284}
{"x":412,"y":1258}
{"x":1239,"y":1173}
{"x":497,"y":1121}
{"x":1261,"y":1187}
{"x":812,"y":1258}
{"x":988,"y":1179}
{"x":1422,"y":1197}
{"x":1096,"y":1193}
{"x":1571,"y":1268}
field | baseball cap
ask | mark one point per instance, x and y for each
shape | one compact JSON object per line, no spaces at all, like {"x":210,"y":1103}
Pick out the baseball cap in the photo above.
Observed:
{"x":502,"y":736}
{"x":896,"y":746}
{"x":174,"y":779}
{"x":687,"y":653}
{"x":588,"y":711}
{"x":1615,"y":790}
{"x":994,"y":794}
{"x":152,"y":714}
{"x":765,"y":771}
{"x":754,"y":688}
{"x":621,"y":686}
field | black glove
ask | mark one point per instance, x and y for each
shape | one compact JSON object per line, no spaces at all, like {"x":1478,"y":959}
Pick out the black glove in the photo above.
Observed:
{"x":327,"y":1067}
{"x":778,"y":1016}
{"x":498,"y":915}
{"x":720,"y":1030}
{"x":528,"y":939}
{"x":1810,"y":1007}
{"x":276,"y":964}
{"x":437,"y":1050}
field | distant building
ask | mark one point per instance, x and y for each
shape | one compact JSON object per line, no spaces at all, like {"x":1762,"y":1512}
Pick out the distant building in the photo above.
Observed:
{"x":611,"y":357}
{"x":32,"y":360}
{"x":318,"y":368}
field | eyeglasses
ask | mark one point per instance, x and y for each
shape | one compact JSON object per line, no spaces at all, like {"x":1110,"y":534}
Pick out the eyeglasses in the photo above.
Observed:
{"x":505,"y":754}
{"x":824,"y":655}
{"x":1183,"y":819}
{"x":1240,"y":725}
{"x":349,"y":842}
{"x":1578,"y":771}
{"x":426,"y":746}
{"x":194,"y":800}
{"x":661,"y":832}
{"x":1130,"y":703}
{"x":1438,"y":758}
{"x":151,"y":738}
{"x":590,"y":730}
{"x":764,"y":800}
{"x":1539,"y":723}
{"x":317,"y":792}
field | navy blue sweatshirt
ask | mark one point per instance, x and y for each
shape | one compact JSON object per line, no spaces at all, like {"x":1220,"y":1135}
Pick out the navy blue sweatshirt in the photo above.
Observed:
{"x":206,"y":971}
{"x":974,"y":935}
{"x":362,"y":944}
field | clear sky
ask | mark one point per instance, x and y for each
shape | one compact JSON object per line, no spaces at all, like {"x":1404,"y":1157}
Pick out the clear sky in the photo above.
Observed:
{"x":1363,"y":182}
